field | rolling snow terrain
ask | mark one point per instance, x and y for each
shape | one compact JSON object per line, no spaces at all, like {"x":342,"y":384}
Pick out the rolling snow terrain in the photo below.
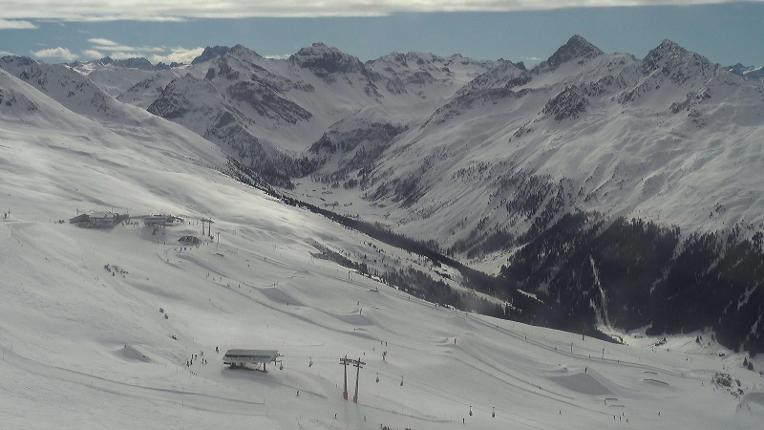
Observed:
{"x":98,"y":325}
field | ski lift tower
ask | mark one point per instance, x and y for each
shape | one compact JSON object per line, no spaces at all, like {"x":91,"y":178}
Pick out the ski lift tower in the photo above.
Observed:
{"x":344,"y":361}
{"x":209,"y":222}
{"x":358,"y":364}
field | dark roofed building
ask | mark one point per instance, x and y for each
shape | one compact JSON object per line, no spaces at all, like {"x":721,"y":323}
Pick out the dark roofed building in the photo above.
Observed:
{"x":257,"y":357}
{"x":98,"y":219}
{"x":162,"y":220}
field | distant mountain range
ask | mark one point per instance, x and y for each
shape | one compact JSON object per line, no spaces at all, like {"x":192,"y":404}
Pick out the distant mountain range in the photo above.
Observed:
{"x":748,"y":72}
{"x":141,"y":63}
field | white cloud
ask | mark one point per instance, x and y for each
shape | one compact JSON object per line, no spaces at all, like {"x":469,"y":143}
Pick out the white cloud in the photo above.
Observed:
{"x":105,"y":47}
{"x":15,"y":24}
{"x":117,"y":50}
{"x":92,"y":54}
{"x":126,"y":48}
{"x":177,"y":55}
{"x":4,"y":53}
{"x":122,"y":55}
{"x":170,"y":10}
{"x":277,"y":56}
{"x":57,"y":53}
{"x":102,"y":42}
{"x":532,"y":60}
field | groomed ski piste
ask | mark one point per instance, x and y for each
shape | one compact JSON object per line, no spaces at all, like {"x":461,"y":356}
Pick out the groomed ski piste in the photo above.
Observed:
{"x":85,"y":344}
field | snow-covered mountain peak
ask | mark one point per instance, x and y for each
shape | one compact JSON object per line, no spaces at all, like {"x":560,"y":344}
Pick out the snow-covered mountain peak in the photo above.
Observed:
{"x":504,"y":74}
{"x":668,"y":50}
{"x":738,"y":68}
{"x":576,"y":48}
{"x":132,"y":63}
{"x":668,"y":45}
{"x":676,"y":61}
{"x":211,"y":52}
{"x":325,"y":60}
{"x":406,"y":59}
{"x":244,"y":53}
{"x":670,"y":72}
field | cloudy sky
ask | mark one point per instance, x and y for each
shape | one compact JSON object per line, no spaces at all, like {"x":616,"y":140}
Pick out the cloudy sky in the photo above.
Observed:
{"x":522,"y":30}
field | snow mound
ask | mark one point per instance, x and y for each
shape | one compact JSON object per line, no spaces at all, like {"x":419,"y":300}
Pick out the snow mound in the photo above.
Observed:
{"x":754,"y":398}
{"x":583,"y":383}
{"x":355,"y":319}
{"x":280,"y":296}
{"x":131,"y":353}
{"x":656,"y":382}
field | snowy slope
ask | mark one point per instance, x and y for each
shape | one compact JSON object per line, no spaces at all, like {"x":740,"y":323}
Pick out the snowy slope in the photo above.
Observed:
{"x":85,"y":345}
{"x":70,"y":88}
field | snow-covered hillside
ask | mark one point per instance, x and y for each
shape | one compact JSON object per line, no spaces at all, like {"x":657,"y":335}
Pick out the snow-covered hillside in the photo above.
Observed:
{"x":550,"y":177}
{"x":99,"y":325}
{"x":543,"y":177}
{"x":68,"y":87}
